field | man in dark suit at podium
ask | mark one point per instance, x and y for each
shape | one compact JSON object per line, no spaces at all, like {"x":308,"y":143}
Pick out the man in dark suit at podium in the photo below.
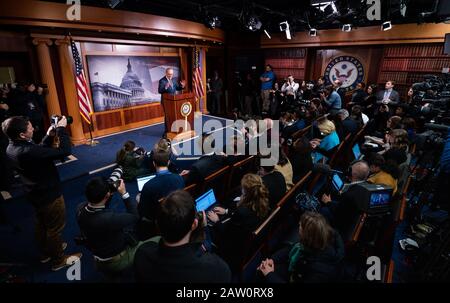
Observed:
{"x":166,"y":85}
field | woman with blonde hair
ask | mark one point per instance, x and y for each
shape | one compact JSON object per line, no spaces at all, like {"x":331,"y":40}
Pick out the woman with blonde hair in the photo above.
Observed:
{"x":329,"y":140}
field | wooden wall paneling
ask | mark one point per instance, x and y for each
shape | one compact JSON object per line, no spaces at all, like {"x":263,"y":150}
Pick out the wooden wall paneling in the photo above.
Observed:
{"x":108,"y":120}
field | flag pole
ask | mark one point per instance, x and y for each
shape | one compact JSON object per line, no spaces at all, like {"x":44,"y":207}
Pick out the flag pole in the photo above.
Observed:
{"x":91,"y":141}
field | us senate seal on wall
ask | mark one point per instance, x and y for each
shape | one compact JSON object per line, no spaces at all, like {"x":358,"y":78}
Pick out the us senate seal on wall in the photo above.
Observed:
{"x":348,"y":69}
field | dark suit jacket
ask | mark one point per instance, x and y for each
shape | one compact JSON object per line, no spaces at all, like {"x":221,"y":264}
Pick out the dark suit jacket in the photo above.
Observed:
{"x":171,"y":89}
{"x":347,"y":209}
{"x":204,"y":167}
{"x":394,"y":97}
{"x":156,"y":262}
{"x":276,"y":184}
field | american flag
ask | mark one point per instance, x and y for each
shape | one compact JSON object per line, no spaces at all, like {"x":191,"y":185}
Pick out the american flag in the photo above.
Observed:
{"x":197,"y":82}
{"x":83,"y":97}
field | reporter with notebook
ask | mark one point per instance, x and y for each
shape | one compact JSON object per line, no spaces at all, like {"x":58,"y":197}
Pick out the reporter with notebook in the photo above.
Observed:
{"x":158,"y":187}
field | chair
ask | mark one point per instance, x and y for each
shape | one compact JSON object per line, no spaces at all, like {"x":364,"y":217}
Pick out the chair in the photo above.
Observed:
{"x":216,"y":181}
{"x":192,"y":189}
{"x":238,"y":170}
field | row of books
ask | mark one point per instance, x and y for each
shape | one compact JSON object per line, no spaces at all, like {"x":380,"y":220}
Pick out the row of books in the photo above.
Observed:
{"x":416,"y":50}
{"x":282,"y":73}
{"x":416,"y":64}
{"x":286,"y":63}
{"x":401,"y":77}
{"x":285,"y":53}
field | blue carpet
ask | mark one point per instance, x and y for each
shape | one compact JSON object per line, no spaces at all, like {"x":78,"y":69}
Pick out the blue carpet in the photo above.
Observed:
{"x":18,"y":250}
{"x":94,"y":157}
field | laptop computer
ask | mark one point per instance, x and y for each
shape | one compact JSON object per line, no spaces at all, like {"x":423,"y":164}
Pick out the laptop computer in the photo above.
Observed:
{"x":205,"y":201}
{"x":142,"y":180}
{"x":337,"y":182}
{"x":356,"y":152}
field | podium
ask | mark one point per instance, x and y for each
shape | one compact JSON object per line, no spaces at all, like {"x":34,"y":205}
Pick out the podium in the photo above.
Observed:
{"x":179,"y":107}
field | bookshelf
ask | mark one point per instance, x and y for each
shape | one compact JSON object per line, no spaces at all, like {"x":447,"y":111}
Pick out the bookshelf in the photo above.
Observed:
{"x":407,"y":64}
{"x":285,"y":62}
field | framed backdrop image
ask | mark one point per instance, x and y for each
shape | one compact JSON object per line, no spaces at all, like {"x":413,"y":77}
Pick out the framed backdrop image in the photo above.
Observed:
{"x":127,"y":81}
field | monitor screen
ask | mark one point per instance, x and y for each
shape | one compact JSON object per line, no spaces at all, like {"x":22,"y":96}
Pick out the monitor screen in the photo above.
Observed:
{"x":380,"y":198}
{"x":356,"y":151}
{"x":142,"y":180}
{"x":205,"y":201}
{"x":337,"y":182}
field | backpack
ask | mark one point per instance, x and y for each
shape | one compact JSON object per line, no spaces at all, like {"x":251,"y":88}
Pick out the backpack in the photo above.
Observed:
{"x":307,"y":202}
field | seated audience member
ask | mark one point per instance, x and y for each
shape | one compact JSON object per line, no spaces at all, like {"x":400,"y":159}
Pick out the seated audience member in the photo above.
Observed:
{"x":343,"y":213}
{"x":360,"y":117}
{"x":175,"y":259}
{"x":331,"y":99}
{"x":397,"y":148}
{"x":297,"y":123}
{"x":160,"y":186}
{"x":400,"y":110}
{"x":301,"y":158}
{"x":275,"y":183}
{"x":393,"y":122}
{"x":108,"y":234}
{"x":383,"y":172}
{"x":285,"y":168}
{"x":349,"y":126}
{"x":131,"y":159}
{"x":250,"y":211}
{"x":163,"y":144}
{"x":329,"y":141}
{"x":317,"y":257}
{"x":409,"y":124}
{"x":209,"y":163}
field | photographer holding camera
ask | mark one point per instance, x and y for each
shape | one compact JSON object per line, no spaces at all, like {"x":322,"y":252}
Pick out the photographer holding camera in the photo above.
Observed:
{"x":290,"y":88}
{"x":109,"y":234}
{"x":34,"y":163}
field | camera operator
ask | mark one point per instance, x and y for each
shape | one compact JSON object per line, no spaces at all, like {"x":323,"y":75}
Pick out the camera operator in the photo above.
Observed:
{"x":332,"y":99}
{"x":108,"y":234}
{"x":290,"y":88}
{"x":176,"y":258}
{"x":35,"y":165}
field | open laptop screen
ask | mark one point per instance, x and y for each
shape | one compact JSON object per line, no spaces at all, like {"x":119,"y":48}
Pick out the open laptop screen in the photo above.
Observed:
{"x":337,"y":182}
{"x":142,"y":180}
{"x":356,"y":151}
{"x":205,"y":201}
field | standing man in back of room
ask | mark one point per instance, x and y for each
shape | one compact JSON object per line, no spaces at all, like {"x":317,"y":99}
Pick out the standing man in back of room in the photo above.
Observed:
{"x":166,"y":85}
{"x":267,"y":79}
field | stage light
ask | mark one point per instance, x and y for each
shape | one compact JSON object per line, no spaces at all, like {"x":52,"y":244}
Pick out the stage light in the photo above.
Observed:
{"x":253,"y":23}
{"x":267,"y":34}
{"x":313,"y":32}
{"x":212,"y":22}
{"x":347,"y":28}
{"x":386,"y":26}
{"x":284,"y":26}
